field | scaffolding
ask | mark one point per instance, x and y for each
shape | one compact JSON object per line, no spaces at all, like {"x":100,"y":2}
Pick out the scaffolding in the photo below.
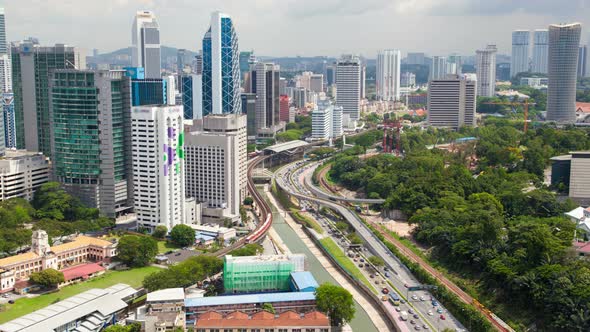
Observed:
{"x":254,"y":274}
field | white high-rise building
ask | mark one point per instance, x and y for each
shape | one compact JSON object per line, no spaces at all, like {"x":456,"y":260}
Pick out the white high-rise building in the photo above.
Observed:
{"x":388,"y":74}
{"x":215,"y":161}
{"x":5,"y":73}
{"x":348,"y":86}
{"x":519,"y":62}
{"x":451,"y":101}
{"x":564,"y":43}
{"x":158,"y":165}
{"x":170,"y":89}
{"x":486,"y":71}
{"x":337,"y":126}
{"x":438,"y":68}
{"x":540,"y":51}
{"x":326,"y":120}
{"x":145,"y":43}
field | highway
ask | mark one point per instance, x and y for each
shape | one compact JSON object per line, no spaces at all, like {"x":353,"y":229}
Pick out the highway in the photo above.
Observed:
{"x":420,"y":301}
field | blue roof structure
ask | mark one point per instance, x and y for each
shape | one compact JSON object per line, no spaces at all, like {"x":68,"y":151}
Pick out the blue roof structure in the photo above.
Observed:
{"x":249,"y":298}
{"x":205,"y":237}
{"x":304,"y":281}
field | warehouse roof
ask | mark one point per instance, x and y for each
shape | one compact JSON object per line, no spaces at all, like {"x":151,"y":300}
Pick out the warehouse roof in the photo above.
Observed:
{"x":168,"y":294}
{"x":249,"y":298}
{"x":304,"y":280}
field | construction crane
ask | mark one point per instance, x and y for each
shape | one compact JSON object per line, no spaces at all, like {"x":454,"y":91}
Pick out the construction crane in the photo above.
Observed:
{"x":516,"y":103}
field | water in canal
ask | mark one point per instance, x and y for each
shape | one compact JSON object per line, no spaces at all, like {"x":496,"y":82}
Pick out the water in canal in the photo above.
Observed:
{"x":361,"y":321}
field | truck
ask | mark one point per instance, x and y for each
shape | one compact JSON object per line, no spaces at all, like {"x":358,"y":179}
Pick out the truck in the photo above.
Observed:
{"x":404,"y":315}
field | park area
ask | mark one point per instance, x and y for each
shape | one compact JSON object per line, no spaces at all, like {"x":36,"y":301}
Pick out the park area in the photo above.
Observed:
{"x":25,"y":305}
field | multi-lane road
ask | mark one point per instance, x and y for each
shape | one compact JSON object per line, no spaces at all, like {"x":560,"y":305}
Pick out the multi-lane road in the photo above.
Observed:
{"x":422,"y":314}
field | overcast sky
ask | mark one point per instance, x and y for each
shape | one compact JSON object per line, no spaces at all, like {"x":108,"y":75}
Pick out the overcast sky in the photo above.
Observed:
{"x":298,"y":27}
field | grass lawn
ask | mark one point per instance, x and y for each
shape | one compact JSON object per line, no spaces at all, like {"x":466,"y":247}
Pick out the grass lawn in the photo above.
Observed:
{"x":23,"y":306}
{"x":343,"y":260}
{"x":165,"y":246}
{"x":309,"y":222}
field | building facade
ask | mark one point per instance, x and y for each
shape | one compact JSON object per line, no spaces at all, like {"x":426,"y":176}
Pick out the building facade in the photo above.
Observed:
{"x":408,"y":79}
{"x":215,"y":163}
{"x":158,"y":166}
{"x":540,"y":51}
{"x":564,"y":41}
{"x":90,"y":137}
{"x":451,"y":101}
{"x":582,"y":58}
{"x":5,"y":73}
{"x":348,"y":86}
{"x":486,"y":71}
{"x":9,"y":120}
{"x":249,"y":109}
{"x":438,"y":68}
{"x":21,"y":173}
{"x":387,"y":81}
{"x":31,"y":66}
{"x":145,"y":43}
{"x":520,"y":52}
{"x":284,"y":108}
{"x":579,"y":183}
{"x":192,"y":96}
{"x":221,"y":67}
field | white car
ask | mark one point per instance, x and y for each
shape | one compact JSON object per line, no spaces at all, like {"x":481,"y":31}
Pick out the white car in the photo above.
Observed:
{"x":430,"y":313}
{"x":414,"y":297}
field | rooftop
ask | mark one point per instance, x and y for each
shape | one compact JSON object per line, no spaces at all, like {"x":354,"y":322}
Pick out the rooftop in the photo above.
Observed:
{"x":583,"y":107}
{"x":304,"y":280}
{"x":261,"y":319}
{"x":168,"y":294}
{"x":562,"y":157}
{"x":249,"y":298}
{"x":262,"y":258}
{"x":81,"y":271}
{"x":285,"y":146}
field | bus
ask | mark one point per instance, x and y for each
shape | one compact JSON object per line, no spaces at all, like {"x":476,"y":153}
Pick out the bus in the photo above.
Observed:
{"x":394,"y":298}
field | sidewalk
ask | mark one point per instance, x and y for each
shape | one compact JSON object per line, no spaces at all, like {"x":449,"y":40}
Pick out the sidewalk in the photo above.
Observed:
{"x":378,"y":321}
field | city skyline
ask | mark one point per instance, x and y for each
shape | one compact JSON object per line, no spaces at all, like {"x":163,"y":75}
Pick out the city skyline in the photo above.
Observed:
{"x":298,"y":22}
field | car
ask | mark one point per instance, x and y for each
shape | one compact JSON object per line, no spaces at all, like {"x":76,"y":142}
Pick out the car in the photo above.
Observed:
{"x":402,"y":301}
{"x":385,"y":290}
{"x":416,"y":316}
{"x":361,"y":265}
{"x":11,"y":301}
{"x":376,"y":281}
{"x":424,"y":326}
{"x":411,"y":311}
{"x":386,"y":274}
{"x":414,"y":297}
{"x":430,"y":313}
{"x":398,"y":309}
{"x":362,"y":260}
{"x":421,"y":298}
{"x":384,"y":298}
{"x":417,"y":328}
{"x":382,"y":281}
{"x":439,"y":310}
{"x":385,"y":269}
{"x":434,"y":303}
{"x":412,"y":322}
{"x":442,"y":317}
{"x":372,"y":276}
{"x":177,"y":254}
{"x":354,"y":259}
{"x":406,"y":285}
{"x":169,"y":252}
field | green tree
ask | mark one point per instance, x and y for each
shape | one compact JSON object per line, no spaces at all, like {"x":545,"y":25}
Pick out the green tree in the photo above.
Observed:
{"x":184,"y":274}
{"x":248,"y":200}
{"x":336,"y":302}
{"x":182,"y":235}
{"x":134,"y":327}
{"x":160,"y":232}
{"x":268,"y":307}
{"x":376,"y":261}
{"x":342,"y":226}
{"x":137,"y":250}
{"x":250,"y":249}
{"x":48,"y":278}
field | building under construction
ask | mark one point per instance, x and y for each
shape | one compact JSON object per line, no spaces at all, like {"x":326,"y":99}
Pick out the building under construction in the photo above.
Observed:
{"x":255,"y":274}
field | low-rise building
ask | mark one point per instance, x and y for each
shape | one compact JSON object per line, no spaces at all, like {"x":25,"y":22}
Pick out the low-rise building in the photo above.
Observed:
{"x":288,"y":321}
{"x":21,"y":173}
{"x":215,"y":232}
{"x":91,"y":310}
{"x":164,"y":310}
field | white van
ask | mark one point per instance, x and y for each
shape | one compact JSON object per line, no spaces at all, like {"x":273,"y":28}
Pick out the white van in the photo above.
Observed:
{"x":404,"y":315}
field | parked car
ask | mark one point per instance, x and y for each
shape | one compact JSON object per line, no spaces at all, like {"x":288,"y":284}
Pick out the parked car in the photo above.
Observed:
{"x":385,"y":290}
{"x":442,"y":317}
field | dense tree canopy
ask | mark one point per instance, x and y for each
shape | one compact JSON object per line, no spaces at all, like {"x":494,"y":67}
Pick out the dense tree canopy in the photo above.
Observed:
{"x":336,"y":302}
{"x":47,"y":278}
{"x":137,"y":250}
{"x":184,"y":274}
{"x":182,"y":235}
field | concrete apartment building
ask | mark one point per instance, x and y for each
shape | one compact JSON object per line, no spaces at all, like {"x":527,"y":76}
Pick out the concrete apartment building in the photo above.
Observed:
{"x":21,"y":173}
{"x":451,"y":101}
{"x":215,"y":164}
{"x":486,"y":71}
{"x":519,"y":62}
{"x":387,"y":81}
{"x":540,"y":51}
{"x":348,"y":87}
{"x":326,"y":121}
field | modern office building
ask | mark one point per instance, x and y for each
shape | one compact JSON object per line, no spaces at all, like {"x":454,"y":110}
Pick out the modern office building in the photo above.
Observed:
{"x":264,"y":80}
{"x":408,"y":79}
{"x":31,"y":66}
{"x":316,"y":83}
{"x":579,"y":183}
{"x":146,"y":91}
{"x":520,"y":52}
{"x":540,"y":51}
{"x":486,"y":71}
{"x":454,"y":64}
{"x":157,"y":139}
{"x":90,"y":137}
{"x":387,"y":80}
{"x":221,"y":67}
{"x":170,"y":89}
{"x":438,"y":68}
{"x":145,"y":43}
{"x":251,"y":274}
{"x":21,"y":173}
{"x":451,"y":101}
{"x":348,"y":86}
{"x":582,"y":61}
{"x":3,"y":44}
{"x":192,"y":96}
{"x":215,"y":163}
{"x":9,"y":120}
{"x":363,"y":78}
{"x":249,"y":109}
{"x":5,"y":73}
{"x":245,"y":61}
{"x":284,"y":108}
{"x":330,"y":75}
{"x":326,"y":121}
{"x":564,"y":41}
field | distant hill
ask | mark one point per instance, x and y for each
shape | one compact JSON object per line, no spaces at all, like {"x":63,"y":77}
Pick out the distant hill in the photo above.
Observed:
{"x":122,"y":57}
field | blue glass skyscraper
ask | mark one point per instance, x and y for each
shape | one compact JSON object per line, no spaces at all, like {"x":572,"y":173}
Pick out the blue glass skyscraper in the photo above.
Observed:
{"x":221,"y":67}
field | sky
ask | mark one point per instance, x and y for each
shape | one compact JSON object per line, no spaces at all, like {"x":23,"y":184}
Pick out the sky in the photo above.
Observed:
{"x":298,"y":27}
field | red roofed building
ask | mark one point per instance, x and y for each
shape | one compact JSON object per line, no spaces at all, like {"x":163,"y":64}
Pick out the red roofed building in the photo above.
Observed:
{"x":582,"y":112}
{"x":81,"y":272}
{"x":284,"y":108}
{"x":287,"y":321}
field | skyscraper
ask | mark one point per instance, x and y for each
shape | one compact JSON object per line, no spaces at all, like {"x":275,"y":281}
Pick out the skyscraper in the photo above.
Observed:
{"x":5,"y":73}
{"x":264,"y":80}
{"x":454,"y":64}
{"x":540,"y":51}
{"x":451,"y":101}
{"x":245,"y":62}
{"x":31,"y":65}
{"x":564,"y":41}
{"x":582,"y":58}
{"x":520,"y":52}
{"x":438,"y":68}
{"x":215,"y":163}
{"x":486,"y":71}
{"x":145,"y":43}
{"x":158,"y":165}
{"x":249,"y":108}
{"x":90,"y":137}
{"x":3,"y":45}
{"x":221,"y":67}
{"x":9,"y":120}
{"x":388,"y":74}
{"x":146,"y":91}
{"x":192,"y":96}
{"x":348,"y":86}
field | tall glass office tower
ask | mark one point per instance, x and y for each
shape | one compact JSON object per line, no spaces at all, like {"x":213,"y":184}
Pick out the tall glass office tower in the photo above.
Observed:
{"x":221,"y":67}
{"x":145,"y":40}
